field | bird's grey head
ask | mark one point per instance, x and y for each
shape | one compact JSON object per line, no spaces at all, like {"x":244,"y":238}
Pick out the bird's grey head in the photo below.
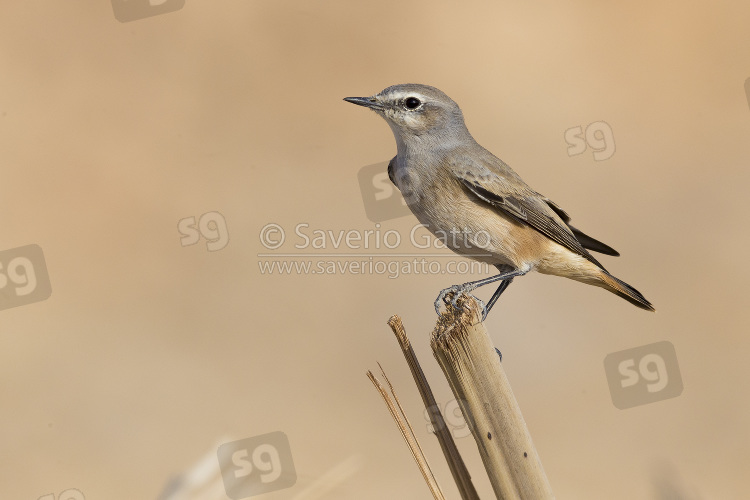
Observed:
{"x":417,"y":112}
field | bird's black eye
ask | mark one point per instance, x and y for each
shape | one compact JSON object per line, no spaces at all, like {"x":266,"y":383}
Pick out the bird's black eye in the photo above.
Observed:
{"x":412,"y":103}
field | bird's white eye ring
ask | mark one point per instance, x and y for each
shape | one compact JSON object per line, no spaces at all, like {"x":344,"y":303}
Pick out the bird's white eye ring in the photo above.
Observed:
{"x":412,"y":103}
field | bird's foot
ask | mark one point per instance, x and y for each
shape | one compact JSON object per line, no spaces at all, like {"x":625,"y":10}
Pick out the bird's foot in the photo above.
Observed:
{"x":442,"y":295}
{"x":454,"y":293}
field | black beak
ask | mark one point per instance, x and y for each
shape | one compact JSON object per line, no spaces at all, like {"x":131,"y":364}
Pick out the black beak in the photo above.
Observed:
{"x":368,"y":102}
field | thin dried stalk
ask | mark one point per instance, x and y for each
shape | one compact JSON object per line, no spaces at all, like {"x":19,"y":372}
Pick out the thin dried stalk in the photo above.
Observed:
{"x":407,"y":433}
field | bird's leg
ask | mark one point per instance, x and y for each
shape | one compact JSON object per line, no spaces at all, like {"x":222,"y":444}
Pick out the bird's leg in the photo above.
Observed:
{"x":503,"y":285}
{"x":458,"y":290}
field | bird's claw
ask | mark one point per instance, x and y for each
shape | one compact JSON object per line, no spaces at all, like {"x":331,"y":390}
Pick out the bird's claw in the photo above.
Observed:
{"x":456,"y":291}
{"x":444,"y":293}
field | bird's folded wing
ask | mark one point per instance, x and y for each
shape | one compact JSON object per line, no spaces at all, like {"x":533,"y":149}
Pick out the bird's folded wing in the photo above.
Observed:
{"x":517,"y":200}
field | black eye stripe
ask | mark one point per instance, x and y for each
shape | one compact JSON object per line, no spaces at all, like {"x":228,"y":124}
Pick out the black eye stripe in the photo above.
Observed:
{"x":412,"y":103}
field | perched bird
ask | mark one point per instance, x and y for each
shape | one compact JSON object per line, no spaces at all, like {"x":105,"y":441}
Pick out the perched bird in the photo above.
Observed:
{"x":455,"y":186}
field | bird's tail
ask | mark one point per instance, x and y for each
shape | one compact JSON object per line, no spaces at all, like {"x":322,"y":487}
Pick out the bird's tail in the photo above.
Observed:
{"x":624,"y":290}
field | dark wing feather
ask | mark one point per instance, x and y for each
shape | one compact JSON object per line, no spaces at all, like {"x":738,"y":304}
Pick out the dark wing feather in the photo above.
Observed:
{"x":586,"y":241}
{"x":558,"y":210}
{"x":592,"y":243}
{"x":509,"y":204}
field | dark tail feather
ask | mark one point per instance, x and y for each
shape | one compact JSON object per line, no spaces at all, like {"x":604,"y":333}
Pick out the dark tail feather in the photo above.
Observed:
{"x":591,"y":244}
{"x":625,"y":291}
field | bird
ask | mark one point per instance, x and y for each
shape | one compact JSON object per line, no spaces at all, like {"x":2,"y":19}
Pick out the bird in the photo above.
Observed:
{"x":454,"y":185}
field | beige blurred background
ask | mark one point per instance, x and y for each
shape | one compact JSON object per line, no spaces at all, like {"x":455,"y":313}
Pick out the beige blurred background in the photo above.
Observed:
{"x":149,"y":354}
